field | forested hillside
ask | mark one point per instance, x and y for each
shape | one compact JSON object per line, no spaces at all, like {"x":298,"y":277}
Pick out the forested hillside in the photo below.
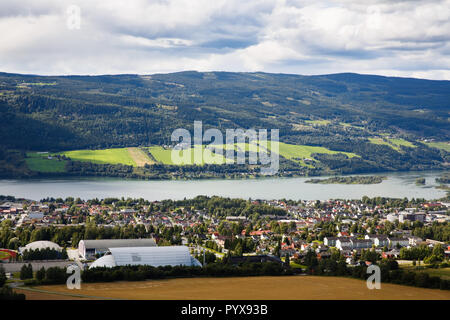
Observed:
{"x":389,"y":122}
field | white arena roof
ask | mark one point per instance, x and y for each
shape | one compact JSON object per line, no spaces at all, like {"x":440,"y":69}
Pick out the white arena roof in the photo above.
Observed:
{"x":36,"y":245}
{"x":153,"y":256}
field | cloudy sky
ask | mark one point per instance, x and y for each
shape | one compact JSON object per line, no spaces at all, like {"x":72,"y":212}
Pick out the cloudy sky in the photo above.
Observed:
{"x":403,"y":38}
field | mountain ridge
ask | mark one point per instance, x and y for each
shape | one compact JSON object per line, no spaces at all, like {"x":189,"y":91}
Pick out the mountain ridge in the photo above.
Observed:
{"x":387,"y":121}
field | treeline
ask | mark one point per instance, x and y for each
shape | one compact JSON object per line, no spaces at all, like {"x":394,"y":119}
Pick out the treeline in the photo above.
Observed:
{"x":216,"y":269}
{"x":52,"y":275}
{"x":222,"y":207}
{"x":69,"y":235}
{"x":6,"y":293}
{"x":390,"y":272}
{"x":425,"y":253}
{"x":57,"y":275}
{"x":444,"y":178}
{"x":349,"y":180}
{"x":437,"y":231}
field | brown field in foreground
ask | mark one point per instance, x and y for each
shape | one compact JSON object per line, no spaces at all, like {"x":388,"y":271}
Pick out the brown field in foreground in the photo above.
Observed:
{"x":251,"y":288}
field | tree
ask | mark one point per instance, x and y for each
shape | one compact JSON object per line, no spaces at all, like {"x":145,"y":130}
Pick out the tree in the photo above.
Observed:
{"x":439,"y":252}
{"x":238,"y":249}
{"x":311,"y":260}
{"x":2,"y":276}
{"x":287,"y":263}
{"x":40,"y":274}
{"x":26,"y":272}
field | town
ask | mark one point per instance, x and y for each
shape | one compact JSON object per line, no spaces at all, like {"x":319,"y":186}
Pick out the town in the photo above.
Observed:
{"x":391,"y":228}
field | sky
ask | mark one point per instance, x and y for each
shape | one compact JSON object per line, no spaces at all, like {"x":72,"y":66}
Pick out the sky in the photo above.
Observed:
{"x":408,"y":38}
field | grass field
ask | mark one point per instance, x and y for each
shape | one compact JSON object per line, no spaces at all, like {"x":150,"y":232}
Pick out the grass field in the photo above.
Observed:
{"x":39,"y":162}
{"x":165,"y":155}
{"x":292,"y":152}
{"x":318,"y":122}
{"x":443,"y":273}
{"x":439,"y":145}
{"x":351,"y":126}
{"x":112,"y":156}
{"x":139,"y":157}
{"x":243,"y":288}
{"x":393,"y":143}
{"x":381,"y":141}
{"x":299,"y":152}
{"x":402,"y":142}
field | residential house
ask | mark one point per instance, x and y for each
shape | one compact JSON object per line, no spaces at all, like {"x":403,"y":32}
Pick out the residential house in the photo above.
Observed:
{"x":394,"y":242}
{"x":344,"y":242}
{"x":361,"y":243}
{"x":330,"y":241}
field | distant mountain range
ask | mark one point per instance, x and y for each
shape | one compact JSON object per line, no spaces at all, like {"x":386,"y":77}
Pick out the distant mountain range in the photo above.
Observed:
{"x":388,"y":121}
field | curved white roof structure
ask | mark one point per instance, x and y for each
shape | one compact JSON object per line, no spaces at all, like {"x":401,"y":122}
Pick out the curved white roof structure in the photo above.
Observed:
{"x":105,"y":261}
{"x":88,"y":248}
{"x":153,"y":256}
{"x":36,"y":245}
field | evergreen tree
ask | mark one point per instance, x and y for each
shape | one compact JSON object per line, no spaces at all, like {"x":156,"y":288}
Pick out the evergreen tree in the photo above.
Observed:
{"x":2,"y":276}
{"x":26,"y":272}
{"x":40,"y":274}
{"x":287,"y":263}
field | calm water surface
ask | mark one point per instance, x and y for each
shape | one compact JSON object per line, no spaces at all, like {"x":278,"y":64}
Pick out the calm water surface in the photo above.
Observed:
{"x":398,"y":185}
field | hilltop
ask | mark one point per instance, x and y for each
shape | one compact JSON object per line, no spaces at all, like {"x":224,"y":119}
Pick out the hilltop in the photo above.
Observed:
{"x":389,"y":123}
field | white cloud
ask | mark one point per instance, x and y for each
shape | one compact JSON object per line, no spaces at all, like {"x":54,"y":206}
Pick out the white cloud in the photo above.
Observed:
{"x":403,"y":38}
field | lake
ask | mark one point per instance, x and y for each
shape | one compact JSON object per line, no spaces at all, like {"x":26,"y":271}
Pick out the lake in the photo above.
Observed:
{"x":398,"y":185}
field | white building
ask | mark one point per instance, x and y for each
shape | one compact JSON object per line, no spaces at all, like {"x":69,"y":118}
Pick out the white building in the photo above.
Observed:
{"x":151,"y":256}
{"x":87,"y":249}
{"x":393,"y":242}
{"x":37,"y":245}
{"x":392,"y":217}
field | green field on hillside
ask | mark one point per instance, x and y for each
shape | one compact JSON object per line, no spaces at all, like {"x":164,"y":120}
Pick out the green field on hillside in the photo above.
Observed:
{"x":381,"y":141}
{"x":298,"y":153}
{"x":164,"y":156}
{"x":318,"y":122}
{"x":41,"y":163}
{"x":394,"y":143}
{"x":402,"y":142}
{"x":111,"y":156}
{"x":439,"y":145}
{"x":351,"y":126}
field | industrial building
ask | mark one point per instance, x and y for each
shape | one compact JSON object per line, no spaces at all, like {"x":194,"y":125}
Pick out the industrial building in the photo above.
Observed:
{"x":151,"y":256}
{"x":87,"y":249}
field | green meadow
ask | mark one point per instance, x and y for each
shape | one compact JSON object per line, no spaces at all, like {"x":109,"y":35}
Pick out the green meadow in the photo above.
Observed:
{"x":402,"y":142}
{"x":136,"y":157}
{"x":39,"y":162}
{"x":164,"y":156}
{"x":318,"y":122}
{"x":298,"y":153}
{"x":395,"y":144}
{"x":111,"y":156}
{"x":439,"y":145}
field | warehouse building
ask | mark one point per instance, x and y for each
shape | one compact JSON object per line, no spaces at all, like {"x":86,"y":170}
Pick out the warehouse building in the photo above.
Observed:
{"x":151,"y":256}
{"x":87,"y":249}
